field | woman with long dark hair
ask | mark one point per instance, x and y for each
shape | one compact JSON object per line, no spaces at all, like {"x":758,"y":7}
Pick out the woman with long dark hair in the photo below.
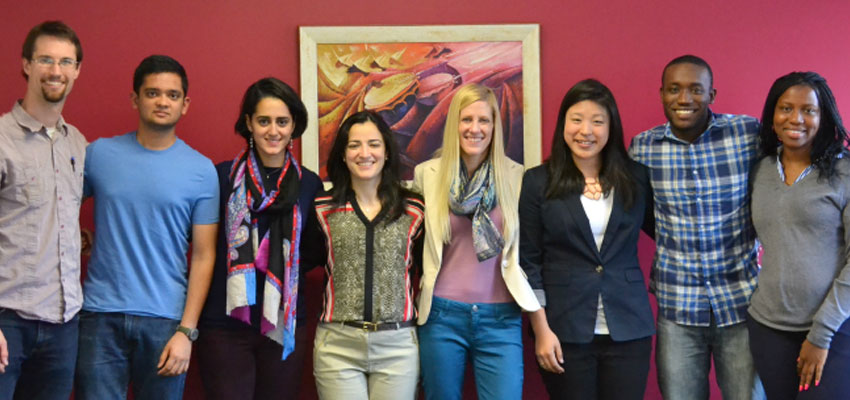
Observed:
{"x":366,"y":345}
{"x":799,"y":335}
{"x":581,"y":214}
{"x":253,"y":339}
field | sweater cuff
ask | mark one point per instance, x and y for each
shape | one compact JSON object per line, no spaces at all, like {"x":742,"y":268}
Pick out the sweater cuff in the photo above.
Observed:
{"x":541,"y":297}
{"x":820,"y":335}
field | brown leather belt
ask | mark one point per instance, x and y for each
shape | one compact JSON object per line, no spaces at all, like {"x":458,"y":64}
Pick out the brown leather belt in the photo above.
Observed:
{"x":379,"y":326}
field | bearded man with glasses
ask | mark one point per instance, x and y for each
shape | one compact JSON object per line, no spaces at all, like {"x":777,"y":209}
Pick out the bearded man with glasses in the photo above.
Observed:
{"x":41,"y":186}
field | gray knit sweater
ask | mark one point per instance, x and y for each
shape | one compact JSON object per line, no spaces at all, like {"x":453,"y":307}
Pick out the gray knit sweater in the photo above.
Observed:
{"x":804,"y":283}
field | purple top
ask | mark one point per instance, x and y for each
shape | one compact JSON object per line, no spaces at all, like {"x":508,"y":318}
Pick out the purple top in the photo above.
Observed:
{"x":461,"y":277}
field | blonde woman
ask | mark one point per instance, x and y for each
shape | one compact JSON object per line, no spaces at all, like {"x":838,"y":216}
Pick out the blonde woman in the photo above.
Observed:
{"x":473,"y":290}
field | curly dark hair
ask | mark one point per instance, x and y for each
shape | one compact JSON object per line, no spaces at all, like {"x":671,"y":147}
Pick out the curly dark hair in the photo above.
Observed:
{"x":831,"y":138}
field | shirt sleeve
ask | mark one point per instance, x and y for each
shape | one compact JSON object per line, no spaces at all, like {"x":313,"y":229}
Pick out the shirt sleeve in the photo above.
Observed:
{"x":206,"y":206}
{"x":634,"y":146}
{"x":645,"y":187}
{"x":313,"y":249}
{"x":836,"y":306}
{"x":531,"y":247}
{"x":418,"y":250}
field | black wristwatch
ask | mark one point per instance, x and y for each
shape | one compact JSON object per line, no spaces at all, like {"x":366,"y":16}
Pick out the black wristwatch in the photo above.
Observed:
{"x":190,"y":333}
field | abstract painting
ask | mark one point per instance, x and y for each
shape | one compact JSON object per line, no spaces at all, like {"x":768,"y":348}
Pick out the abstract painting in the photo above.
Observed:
{"x":408,"y":76}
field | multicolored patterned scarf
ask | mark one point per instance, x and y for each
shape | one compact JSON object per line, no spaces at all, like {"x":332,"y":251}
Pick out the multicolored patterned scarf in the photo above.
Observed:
{"x":476,"y":197}
{"x":275,"y":256}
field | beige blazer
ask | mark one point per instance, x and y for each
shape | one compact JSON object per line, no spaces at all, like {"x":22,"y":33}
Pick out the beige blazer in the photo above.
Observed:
{"x":425,"y":182}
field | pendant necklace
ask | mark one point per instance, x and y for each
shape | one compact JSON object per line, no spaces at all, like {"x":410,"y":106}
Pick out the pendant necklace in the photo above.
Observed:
{"x":592,"y":189}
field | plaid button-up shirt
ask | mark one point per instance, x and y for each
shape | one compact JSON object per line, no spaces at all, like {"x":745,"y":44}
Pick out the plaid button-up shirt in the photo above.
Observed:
{"x":706,"y":254}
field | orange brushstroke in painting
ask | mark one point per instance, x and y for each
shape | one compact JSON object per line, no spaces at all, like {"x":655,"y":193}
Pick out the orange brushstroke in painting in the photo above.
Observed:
{"x":410,"y":85}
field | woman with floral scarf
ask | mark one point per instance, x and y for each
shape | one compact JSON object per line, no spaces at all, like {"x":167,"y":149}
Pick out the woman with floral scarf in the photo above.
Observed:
{"x":249,"y":346}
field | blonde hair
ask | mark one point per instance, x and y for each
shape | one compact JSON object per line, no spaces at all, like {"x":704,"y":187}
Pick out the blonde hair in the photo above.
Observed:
{"x":449,"y":156}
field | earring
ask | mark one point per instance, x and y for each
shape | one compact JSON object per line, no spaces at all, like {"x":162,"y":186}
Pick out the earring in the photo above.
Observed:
{"x":251,"y":142}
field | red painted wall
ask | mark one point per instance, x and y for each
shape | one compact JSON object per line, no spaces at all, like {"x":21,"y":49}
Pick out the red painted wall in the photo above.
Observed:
{"x":226,"y":45}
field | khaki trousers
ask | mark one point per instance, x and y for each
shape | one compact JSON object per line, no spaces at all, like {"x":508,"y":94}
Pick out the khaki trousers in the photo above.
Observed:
{"x":351,"y":363}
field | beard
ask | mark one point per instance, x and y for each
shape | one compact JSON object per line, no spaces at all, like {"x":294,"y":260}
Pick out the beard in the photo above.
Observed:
{"x":54,"y":97}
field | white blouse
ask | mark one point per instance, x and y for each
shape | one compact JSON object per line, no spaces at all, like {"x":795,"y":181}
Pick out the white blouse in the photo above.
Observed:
{"x":598,"y":213}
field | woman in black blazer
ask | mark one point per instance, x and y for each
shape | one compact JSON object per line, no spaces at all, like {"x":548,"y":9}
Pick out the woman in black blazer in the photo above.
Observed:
{"x":581,"y":213}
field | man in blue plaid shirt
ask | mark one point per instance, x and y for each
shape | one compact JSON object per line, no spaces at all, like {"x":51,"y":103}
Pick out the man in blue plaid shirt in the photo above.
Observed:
{"x":705,"y":264}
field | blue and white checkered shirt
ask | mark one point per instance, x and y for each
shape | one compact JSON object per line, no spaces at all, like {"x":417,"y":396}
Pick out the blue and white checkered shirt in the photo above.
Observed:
{"x":706,"y":254}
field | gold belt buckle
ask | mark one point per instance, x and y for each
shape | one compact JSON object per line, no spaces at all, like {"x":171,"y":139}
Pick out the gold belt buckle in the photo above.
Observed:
{"x":370,"y":326}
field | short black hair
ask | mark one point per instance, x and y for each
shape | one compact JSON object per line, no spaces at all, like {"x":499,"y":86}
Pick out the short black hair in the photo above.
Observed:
{"x":689,"y":59}
{"x":158,"y":64}
{"x":274,"y":88}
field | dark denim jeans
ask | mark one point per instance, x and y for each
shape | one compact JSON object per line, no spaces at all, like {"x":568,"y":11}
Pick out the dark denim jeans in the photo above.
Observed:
{"x":775,"y":354}
{"x":41,"y":358}
{"x":490,"y":335}
{"x":116,"y":349}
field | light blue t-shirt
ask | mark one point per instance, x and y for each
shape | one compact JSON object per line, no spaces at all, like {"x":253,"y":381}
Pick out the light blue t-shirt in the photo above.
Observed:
{"x":145,"y":203}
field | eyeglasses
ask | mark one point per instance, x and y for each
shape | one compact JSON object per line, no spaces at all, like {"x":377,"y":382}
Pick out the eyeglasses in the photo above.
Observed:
{"x":48,"y":62}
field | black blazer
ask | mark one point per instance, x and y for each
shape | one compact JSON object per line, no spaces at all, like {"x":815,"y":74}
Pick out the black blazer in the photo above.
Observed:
{"x":560,"y":256}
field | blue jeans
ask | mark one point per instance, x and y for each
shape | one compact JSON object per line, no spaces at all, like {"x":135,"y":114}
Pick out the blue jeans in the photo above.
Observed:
{"x":488,"y":334}
{"x":116,"y":349}
{"x":41,"y":358}
{"x":683,"y":356}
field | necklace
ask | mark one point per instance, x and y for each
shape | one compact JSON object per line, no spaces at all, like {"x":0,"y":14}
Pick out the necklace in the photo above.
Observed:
{"x":272,"y":171}
{"x":592,"y":189}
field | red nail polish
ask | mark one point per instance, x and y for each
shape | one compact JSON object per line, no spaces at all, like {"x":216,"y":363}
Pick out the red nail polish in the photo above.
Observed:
{"x":806,"y":387}
{"x":801,"y":388}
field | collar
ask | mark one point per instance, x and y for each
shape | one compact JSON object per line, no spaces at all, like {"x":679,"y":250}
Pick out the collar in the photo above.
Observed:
{"x":667,"y":133}
{"x":351,"y":198}
{"x":25,"y":120}
{"x":781,"y":169}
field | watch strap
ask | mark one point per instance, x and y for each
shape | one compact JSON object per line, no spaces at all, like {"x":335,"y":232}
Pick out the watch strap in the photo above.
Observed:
{"x":190,"y":333}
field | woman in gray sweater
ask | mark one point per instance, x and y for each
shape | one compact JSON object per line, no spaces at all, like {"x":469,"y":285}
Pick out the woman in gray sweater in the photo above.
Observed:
{"x":801,"y":212}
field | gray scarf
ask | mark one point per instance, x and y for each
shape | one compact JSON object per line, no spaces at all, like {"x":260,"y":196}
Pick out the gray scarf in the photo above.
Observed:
{"x":475,"y":197}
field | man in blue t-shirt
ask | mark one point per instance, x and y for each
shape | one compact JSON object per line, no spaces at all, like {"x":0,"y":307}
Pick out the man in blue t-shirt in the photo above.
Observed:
{"x":153,"y":196}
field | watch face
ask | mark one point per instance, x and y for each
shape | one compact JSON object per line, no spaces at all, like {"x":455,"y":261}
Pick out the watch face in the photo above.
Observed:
{"x":192,"y":334}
